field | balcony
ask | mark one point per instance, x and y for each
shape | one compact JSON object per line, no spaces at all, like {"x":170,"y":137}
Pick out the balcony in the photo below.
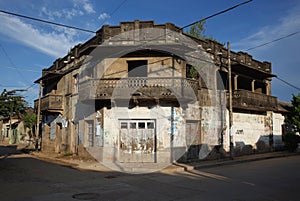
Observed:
{"x":140,"y":88}
{"x":243,"y":99}
{"x":51,"y":103}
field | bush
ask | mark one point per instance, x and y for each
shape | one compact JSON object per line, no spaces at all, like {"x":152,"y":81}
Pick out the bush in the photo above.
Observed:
{"x":291,"y":141}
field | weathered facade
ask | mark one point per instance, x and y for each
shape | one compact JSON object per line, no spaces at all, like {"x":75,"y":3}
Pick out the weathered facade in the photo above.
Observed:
{"x":143,"y":96}
{"x":12,"y":130}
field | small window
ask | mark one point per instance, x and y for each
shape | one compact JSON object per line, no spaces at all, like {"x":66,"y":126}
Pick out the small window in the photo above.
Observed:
{"x":150,"y":125}
{"x":137,"y":68}
{"x":124,"y":125}
{"x":133,"y":125}
{"x":142,"y":125}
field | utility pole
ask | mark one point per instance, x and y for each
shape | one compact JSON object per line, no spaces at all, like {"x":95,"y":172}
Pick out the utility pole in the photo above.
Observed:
{"x":172,"y":157}
{"x":38,"y":117}
{"x":230,"y":103}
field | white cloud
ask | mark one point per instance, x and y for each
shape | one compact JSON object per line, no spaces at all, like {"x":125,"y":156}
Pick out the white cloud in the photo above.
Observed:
{"x":103,"y":16}
{"x":86,"y":5}
{"x":55,"y":43}
{"x":88,"y":8}
{"x":64,"y":13}
{"x":286,"y":25}
{"x":50,"y":14}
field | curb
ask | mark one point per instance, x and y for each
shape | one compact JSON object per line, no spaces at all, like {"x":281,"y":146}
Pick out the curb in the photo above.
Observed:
{"x":54,"y":160}
{"x":188,"y":167}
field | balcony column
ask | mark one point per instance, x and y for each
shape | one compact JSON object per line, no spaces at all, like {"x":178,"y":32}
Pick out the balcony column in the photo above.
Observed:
{"x":253,"y":86}
{"x":268,"y":87}
{"x":235,"y":83}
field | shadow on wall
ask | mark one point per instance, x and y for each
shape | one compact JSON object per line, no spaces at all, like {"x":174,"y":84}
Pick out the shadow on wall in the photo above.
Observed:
{"x":240,"y":149}
{"x":261,"y":146}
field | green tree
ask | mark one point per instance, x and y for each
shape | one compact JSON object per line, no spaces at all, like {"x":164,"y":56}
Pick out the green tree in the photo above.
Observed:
{"x":294,"y":115}
{"x":197,"y":30}
{"x":29,"y":122}
{"x":11,"y":104}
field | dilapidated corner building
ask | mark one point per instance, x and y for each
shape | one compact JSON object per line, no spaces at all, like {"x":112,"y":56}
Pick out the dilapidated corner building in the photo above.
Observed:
{"x":143,"y":94}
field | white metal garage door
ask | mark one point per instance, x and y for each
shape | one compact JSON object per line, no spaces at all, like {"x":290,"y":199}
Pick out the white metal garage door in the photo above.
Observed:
{"x":137,"y":140}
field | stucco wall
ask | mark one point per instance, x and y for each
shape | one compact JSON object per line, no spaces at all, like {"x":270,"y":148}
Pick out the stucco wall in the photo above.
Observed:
{"x":249,"y":128}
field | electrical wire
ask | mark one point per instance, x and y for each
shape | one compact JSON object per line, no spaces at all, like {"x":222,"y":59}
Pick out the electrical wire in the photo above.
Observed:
{"x":288,"y":83}
{"x":10,"y":86}
{"x":272,"y":41}
{"x":12,"y":63}
{"x":23,"y":69}
{"x":115,"y":10}
{"x":47,"y":21}
{"x":118,"y":7}
{"x":216,"y":14}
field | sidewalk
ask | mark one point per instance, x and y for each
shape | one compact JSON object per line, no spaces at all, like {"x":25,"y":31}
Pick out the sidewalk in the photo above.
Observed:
{"x":76,"y":163}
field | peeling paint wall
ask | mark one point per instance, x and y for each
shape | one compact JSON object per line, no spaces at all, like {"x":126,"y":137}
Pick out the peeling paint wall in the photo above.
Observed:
{"x":249,"y":128}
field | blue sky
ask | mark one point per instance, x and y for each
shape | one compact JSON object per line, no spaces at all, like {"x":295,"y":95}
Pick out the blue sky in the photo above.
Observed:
{"x":26,"y":47}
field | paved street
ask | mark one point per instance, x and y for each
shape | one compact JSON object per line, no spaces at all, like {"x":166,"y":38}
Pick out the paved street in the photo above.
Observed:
{"x":23,"y":177}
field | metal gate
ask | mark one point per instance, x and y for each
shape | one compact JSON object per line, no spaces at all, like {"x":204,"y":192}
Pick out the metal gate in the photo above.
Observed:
{"x":137,"y":141}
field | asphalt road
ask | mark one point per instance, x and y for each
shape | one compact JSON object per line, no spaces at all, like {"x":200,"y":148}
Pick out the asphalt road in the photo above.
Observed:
{"x":25,"y":178}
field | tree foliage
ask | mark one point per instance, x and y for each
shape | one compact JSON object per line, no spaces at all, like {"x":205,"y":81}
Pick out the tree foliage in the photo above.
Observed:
{"x":29,"y":120}
{"x":294,"y":115}
{"x":11,"y":103}
{"x":197,"y":30}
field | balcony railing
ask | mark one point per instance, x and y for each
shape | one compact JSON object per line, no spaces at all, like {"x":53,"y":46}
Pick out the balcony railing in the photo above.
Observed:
{"x":50,"y":102}
{"x":244,"y":99}
{"x":140,"y":88}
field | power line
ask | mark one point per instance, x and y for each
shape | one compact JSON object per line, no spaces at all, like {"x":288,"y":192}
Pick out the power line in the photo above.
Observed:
{"x":216,"y":14}
{"x":12,"y":63}
{"x":275,"y":40}
{"x":10,"y":86}
{"x":286,"y":82}
{"x":118,"y":7}
{"x":46,"y":21}
{"x":272,"y":41}
{"x":14,"y":68}
{"x":34,"y":84}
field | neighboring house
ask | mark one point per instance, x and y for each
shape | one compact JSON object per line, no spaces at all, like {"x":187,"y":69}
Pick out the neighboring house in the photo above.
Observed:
{"x":141,"y":96}
{"x":12,"y":130}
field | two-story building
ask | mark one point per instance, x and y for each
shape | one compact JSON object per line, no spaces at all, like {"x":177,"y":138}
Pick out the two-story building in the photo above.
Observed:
{"x":143,"y":92}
